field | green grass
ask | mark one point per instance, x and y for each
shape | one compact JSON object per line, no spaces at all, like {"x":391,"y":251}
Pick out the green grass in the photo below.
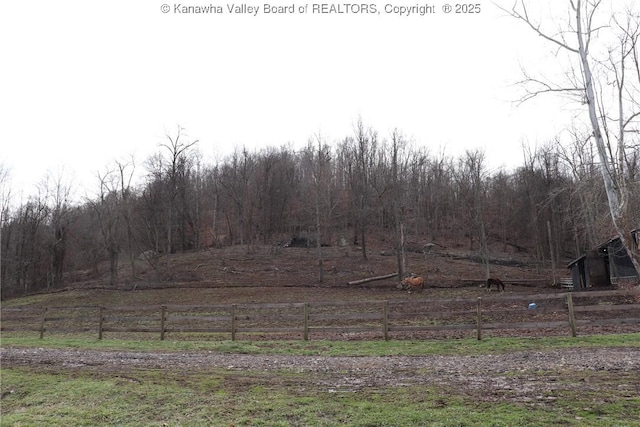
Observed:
{"x":223,"y":398}
{"x":337,"y":348}
{"x":49,"y":396}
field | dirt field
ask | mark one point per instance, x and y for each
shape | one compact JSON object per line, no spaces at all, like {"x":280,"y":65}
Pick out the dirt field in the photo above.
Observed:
{"x":274,"y":265}
{"x":273,"y":274}
{"x":529,"y":377}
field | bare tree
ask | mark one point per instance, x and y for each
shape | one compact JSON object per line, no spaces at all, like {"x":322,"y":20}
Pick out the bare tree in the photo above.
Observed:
{"x":361,"y":152}
{"x":58,"y":196}
{"x":397,"y":187}
{"x":613,"y":117}
{"x":112,"y":206}
{"x":435,"y":187}
{"x":178,"y":174}
{"x":27,"y":249}
{"x":579,"y":157}
{"x":107,"y":209}
{"x":197,"y":185}
{"x":235,"y":178}
{"x":127,"y":198}
{"x":317,"y":159}
{"x":272,"y":187}
{"x":210,"y":198}
{"x":5,"y":197}
{"x":475,"y":174}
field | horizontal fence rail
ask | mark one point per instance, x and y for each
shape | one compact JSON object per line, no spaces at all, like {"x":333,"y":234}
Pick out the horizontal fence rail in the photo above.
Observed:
{"x":378,"y":318}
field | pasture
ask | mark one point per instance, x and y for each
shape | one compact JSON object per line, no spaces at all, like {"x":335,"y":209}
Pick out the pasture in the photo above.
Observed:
{"x":541,"y":377}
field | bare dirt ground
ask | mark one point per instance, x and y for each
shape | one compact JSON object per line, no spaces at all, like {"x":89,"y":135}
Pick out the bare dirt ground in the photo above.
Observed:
{"x":245,"y":274}
{"x":274,"y":265}
{"x":524,"y":376}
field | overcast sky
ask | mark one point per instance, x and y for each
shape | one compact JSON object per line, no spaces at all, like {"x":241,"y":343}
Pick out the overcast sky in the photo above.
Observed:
{"x":87,"y":82}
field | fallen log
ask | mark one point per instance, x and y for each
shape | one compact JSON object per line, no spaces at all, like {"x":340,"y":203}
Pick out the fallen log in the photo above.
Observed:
{"x":372,"y":279}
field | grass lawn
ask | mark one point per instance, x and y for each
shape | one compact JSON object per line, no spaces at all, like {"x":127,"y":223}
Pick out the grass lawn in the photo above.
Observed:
{"x":221,"y":398}
{"x":337,"y":348}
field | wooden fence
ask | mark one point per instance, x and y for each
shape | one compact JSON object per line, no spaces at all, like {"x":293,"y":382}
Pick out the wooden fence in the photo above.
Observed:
{"x":372,"y":319}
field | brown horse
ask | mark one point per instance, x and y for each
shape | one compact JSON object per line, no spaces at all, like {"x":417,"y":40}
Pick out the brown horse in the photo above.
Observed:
{"x":497,"y":282}
{"x":413,"y":282}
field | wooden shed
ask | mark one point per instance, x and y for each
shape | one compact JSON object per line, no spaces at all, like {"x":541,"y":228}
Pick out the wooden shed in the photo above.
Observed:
{"x":608,"y":264}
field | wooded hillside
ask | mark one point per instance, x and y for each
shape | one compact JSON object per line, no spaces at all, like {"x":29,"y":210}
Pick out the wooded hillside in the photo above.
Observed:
{"x":554,"y":206}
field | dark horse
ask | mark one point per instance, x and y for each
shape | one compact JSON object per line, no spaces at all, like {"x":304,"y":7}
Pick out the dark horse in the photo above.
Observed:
{"x":497,"y":282}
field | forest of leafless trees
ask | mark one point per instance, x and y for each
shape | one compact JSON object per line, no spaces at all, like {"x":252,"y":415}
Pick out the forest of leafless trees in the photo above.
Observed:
{"x":362,"y":186}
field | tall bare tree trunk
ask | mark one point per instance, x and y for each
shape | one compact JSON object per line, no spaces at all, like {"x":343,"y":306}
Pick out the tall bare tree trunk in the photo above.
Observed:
{"x":618,"y":216}
{"x":318,"y":239}
{"x":400,"y":255}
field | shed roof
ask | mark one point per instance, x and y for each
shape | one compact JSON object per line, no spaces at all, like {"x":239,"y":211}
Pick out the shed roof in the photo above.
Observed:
{"x":575,"y":261}
{"x":608,"y":242}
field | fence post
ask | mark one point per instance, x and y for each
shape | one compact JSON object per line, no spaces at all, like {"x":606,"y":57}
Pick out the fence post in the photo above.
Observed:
{"x":479,"y":318}
{"x":163,"y":312}
{"x":44,"y":315}
{"x":385,"y":319}
{"x":572,"y":317}
{"x":100,"y":322}
{"x":233,"y":322}
{"x":306,"y":322}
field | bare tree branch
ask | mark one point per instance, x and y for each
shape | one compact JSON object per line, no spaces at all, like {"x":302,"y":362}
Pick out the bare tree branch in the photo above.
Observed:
{"x":524,"y":17}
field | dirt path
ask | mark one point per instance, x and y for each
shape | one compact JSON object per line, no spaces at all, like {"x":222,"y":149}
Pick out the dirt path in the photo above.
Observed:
{"x":519,"y":376}
{"x":587,"y":359}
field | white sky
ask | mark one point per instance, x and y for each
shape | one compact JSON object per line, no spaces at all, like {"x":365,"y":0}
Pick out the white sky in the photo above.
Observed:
{"x":85,"y":82}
